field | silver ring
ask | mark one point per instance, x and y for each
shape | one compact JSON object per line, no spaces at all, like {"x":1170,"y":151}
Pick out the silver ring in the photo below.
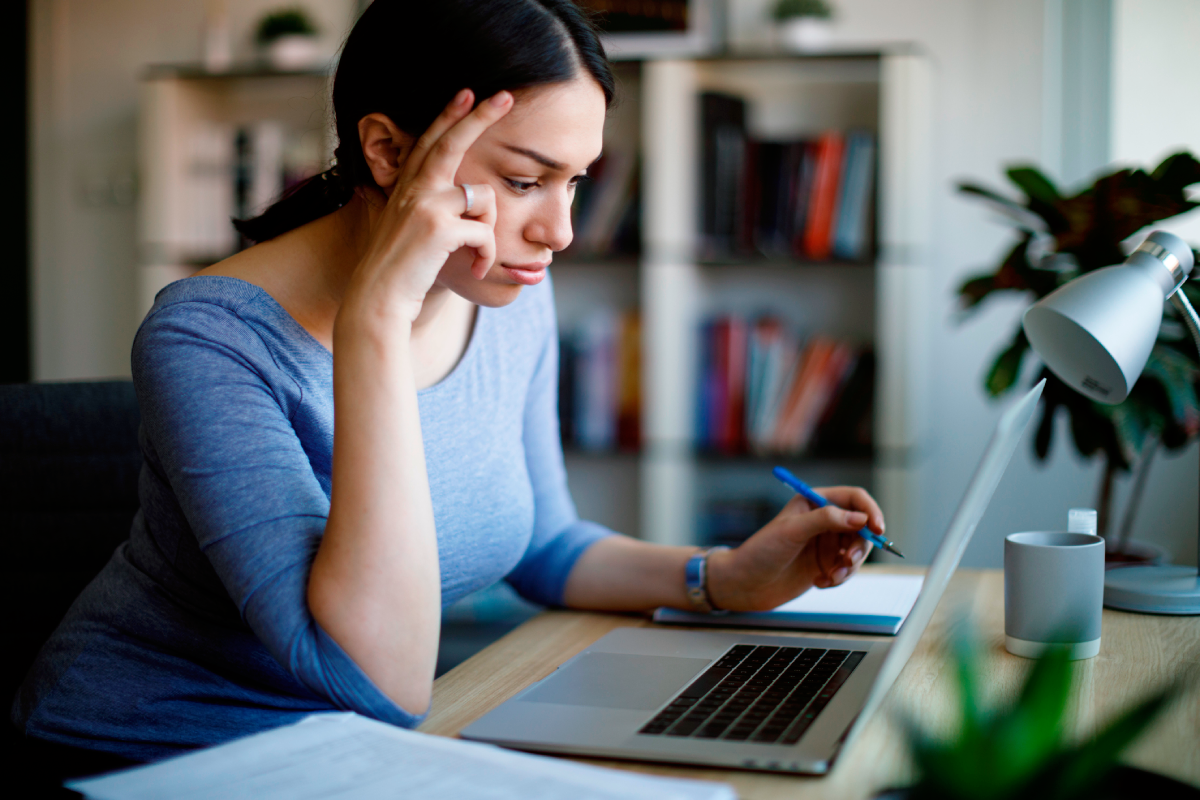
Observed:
{"x":470,"y":193}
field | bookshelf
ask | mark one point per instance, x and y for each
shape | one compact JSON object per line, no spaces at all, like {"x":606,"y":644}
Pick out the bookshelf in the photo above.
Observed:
{"x":881,"y":301}
{"x":189,"y":124}
{"x":660,"y":490}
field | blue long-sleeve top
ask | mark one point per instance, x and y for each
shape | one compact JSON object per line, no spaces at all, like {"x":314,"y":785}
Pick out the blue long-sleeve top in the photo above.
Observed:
{"x":198,"y":629}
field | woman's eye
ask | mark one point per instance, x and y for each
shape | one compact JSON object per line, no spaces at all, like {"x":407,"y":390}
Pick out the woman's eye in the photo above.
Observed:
{"x":521,"y":186}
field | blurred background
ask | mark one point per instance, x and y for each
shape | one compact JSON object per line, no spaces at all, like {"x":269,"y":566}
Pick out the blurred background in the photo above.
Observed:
{"x":766,"y":269}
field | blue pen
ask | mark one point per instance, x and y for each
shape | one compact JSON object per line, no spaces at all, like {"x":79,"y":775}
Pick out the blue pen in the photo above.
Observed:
{"x":806,"y":491}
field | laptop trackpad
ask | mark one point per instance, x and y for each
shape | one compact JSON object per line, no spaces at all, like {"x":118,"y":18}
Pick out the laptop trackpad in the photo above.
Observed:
{"x":617,"y":680}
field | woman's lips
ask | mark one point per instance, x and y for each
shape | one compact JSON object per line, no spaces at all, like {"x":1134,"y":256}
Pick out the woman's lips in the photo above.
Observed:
{"x":526,"y":274}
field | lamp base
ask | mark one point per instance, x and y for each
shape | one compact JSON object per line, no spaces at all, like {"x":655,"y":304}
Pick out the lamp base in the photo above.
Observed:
{"x":1162,"y":589}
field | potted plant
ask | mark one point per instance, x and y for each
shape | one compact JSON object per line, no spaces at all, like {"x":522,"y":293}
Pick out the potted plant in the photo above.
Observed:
{"x":803,"y":25}
{"x":1058,"y":238}
{"x":1022,"y":752}
{"x":288,"y":37}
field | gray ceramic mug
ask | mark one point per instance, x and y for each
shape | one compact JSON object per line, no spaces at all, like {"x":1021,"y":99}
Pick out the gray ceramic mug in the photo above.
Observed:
{"x":1053,"y":592}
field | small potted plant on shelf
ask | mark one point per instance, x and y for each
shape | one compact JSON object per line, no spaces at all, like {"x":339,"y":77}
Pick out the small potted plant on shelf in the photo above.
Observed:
{"x":1022,"y":751}
{"x":288,"y":38}
{"x":1059,"y":238}
{"x":803,"y":25}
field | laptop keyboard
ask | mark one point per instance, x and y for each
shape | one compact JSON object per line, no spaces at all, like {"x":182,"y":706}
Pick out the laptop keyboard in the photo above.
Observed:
{"x":763,"y":694}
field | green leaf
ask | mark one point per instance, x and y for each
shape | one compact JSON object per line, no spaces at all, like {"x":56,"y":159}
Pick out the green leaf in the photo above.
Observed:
{"x":1177,"y":171}
{"x":1029,"y":735}
{"x":1022,"y":217}
{"x":1083,"y":767}
{"x":1031,"y":181}
{"x":1007,"y":367}
{"x":968,"y":187}
{"x":973,"y":290}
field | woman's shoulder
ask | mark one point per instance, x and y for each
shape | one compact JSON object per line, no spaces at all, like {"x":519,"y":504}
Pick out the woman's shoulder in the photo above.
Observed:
{"x":208,"y":305}
{"x":220,"y":313}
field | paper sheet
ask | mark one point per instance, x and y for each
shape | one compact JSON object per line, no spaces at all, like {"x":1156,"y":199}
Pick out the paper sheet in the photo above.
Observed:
{"x":349,"y":756}
{"x":885,"y":595}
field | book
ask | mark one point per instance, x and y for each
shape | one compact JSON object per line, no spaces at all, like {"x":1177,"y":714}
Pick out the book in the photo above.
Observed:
{"x":851,"y":237}
{"x":819,"y":222}
{"x":629,"y":383}
{"x":349,"y":756}
{"x":595,"y":395}
{"x":867,"y":603}
{"x":599,"y":382}
{"x":723,"y":152}
{"x":800,"y":397}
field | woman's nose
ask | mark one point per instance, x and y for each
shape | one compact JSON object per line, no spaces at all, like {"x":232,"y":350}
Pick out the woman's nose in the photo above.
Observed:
{"x":551,"y":225}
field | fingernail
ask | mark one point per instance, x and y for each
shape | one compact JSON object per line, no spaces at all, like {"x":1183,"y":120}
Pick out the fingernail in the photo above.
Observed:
{"x":461,"y":97}
{"x":856,"y":518}
{"x":879,"y":522}
{"x":500,"y":99}
{"x":840,"y":573}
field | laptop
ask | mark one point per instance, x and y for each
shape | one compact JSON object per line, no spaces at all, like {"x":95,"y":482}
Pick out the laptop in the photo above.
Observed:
{"x":716,"y":698}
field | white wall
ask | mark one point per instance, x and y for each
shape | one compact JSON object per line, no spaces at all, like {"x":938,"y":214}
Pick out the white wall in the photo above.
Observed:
{"x":87,"y":56}
{"x":1155,"y":112}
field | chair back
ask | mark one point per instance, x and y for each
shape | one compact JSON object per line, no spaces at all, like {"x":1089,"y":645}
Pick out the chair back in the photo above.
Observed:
{"x":69,"y":464}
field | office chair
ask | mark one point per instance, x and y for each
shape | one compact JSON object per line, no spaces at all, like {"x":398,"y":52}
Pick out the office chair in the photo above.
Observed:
{"x":69,"y":463}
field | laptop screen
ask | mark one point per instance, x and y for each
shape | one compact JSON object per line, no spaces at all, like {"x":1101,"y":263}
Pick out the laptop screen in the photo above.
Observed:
{"x":975,"y":501}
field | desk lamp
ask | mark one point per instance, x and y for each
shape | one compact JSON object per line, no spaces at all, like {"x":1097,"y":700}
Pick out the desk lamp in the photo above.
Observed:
{"x":1096,"y":333}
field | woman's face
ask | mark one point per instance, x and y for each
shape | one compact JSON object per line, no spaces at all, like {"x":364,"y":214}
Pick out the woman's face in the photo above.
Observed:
{"x":533,"y":158}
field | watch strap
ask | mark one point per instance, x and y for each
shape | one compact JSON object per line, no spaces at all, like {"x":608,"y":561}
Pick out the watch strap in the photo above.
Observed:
{"x":696,"y":577}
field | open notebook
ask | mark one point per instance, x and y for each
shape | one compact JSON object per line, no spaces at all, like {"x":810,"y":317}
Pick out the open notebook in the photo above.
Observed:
{"x":863,"y":604}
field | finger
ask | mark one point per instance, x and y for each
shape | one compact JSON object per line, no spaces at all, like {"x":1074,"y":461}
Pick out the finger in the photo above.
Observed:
{"x":445,"y":155}
{"x":802,"y":528}
{"x":481,"y":238}
{"x":483,"y":203}
{"x":856,"y":498}
{"x":454,"y":111}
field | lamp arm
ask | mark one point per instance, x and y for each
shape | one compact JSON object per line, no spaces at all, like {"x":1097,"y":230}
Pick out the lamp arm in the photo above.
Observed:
{"x":1184,"y":306}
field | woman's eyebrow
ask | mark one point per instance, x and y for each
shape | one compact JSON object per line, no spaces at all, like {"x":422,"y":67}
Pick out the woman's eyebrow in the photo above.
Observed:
{"x":545,"y":161}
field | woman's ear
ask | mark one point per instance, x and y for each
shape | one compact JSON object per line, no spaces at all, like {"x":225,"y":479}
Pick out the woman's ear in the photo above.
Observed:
{"x":385,"y":148}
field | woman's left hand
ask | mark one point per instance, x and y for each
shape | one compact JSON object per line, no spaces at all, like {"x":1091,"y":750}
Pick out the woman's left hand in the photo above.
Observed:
{"x":801,"y":548}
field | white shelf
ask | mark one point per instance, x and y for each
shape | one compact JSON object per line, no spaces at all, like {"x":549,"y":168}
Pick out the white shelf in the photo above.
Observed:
{"x":884,"y":303}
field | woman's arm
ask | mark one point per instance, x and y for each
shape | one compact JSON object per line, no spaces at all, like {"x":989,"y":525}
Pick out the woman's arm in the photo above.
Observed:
{"x":797,"y":550}
{"x":375,"y":582}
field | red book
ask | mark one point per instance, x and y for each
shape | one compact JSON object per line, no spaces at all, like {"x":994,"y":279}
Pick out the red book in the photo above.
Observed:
{"x":733,"y":427}
{"x":792,"y":415}
{"x":720,"y":389}
{"x":818,"y":228}
{"x":629,"y":377}
{"x":821,"y":392}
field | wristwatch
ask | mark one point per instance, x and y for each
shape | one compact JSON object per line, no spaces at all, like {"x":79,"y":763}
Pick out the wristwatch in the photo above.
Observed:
{"x":696,"y":575}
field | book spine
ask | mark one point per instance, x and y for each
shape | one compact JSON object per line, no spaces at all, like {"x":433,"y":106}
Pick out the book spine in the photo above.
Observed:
{"x":819,"y":225}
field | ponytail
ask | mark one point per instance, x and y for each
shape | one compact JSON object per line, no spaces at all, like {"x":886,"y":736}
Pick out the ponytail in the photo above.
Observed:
{"x":308,"y":200}
{"x":407,"y":58}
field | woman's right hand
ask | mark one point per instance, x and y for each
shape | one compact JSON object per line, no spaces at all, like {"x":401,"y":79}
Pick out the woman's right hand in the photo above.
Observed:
{"x":425,"y":218}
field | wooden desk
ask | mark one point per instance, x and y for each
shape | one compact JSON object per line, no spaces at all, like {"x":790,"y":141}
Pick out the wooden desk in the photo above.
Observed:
{"x":1138,"y":651}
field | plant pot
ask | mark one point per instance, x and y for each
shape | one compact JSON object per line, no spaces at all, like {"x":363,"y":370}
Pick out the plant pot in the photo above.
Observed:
{"x":1133,"y":553}
{"x":805,"y":34}
{"x":293,"y":52}
{"x":1121,"y":783}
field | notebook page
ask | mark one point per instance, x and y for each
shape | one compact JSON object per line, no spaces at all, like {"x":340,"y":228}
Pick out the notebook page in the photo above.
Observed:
{"x":348,"y":756}
{"x":881,"y":595}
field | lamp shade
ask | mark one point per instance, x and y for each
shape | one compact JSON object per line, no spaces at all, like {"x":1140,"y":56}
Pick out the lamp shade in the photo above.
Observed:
{"x":1096,"y":332}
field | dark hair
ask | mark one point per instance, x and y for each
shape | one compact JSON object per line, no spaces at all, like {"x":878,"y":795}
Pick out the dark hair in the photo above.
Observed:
{"x":408,"y":58}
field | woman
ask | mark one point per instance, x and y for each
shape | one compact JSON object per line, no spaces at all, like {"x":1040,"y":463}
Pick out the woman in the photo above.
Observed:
{"x":272,"y":571}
